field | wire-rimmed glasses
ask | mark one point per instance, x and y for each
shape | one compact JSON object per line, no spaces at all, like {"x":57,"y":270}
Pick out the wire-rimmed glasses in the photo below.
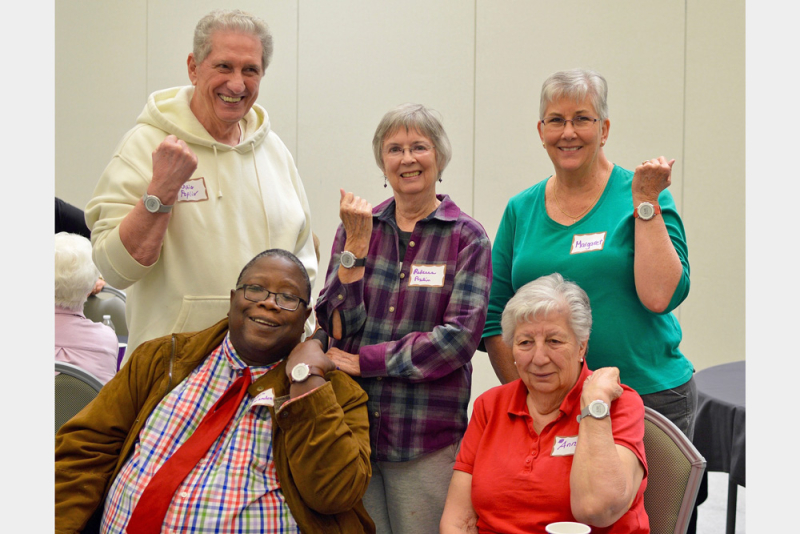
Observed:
{"x":581,"y":122}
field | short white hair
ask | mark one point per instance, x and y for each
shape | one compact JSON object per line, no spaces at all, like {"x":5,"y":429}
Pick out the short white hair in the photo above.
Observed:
{"x":546,"y":295}
{"x":76,"y":273}
{"x":575,"y":84}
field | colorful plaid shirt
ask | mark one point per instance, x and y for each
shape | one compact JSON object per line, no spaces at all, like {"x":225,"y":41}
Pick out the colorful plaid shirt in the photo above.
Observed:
{"x":234,"y":488}
{"x":415,"y":323}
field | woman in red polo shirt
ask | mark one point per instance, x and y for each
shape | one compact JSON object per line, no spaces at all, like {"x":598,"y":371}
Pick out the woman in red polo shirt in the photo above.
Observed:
{"x":561,"y":443}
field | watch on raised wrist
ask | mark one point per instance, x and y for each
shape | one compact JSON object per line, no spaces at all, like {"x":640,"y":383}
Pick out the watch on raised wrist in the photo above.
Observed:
{"x":349,"y":260}
{"x":302,"y":371}
{"x":597,"y":409}
{"x":153,"y":204}
{"x":646,"y":211}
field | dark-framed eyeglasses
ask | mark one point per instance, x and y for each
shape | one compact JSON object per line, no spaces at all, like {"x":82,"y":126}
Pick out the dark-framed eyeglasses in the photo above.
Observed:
{"x":284,"y":301}
{"x":581,"y":122}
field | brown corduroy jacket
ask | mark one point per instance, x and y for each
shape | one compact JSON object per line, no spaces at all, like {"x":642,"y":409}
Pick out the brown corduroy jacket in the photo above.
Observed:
{"x":320,"y":441}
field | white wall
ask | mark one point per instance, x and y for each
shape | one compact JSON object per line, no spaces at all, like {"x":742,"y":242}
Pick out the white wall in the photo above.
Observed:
{"x":676,"y":88}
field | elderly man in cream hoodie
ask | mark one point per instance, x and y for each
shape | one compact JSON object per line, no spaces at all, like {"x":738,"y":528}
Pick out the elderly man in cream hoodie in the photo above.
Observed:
{"x":197,"y":187}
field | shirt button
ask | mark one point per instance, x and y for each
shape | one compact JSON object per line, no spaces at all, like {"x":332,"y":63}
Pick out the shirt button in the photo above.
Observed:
{"x":340,"y":297}
{"x":391,"y":308}
{"x":185,"y":494}
{"x":376,"y":414}
{"x":412,"y":244}
{"x":378,"y":377}
{"x":260,"y":388}
{"x":285,"y":414}
{"x":402,"y":275}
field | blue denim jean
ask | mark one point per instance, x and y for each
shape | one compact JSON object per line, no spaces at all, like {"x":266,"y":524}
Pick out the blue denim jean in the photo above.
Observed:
{"x":677,"y":404}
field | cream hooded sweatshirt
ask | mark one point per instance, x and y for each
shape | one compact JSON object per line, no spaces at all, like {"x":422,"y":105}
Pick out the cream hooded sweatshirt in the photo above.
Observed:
{"x":240,"y":201}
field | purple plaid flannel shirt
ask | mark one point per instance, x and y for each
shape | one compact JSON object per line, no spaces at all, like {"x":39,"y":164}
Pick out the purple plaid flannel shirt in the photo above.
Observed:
{"x":414,"y":343}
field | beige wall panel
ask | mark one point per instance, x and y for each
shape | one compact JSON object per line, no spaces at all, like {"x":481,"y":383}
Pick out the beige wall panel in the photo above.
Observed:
{"x":100,"y":75}
{"x":713,"y":317}
{"x":519,"y":44}
{"x":170,"y":32}
{"x":360,"y":58}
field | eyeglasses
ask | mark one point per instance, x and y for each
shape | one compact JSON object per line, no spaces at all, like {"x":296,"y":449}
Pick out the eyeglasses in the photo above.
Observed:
{"x":580,"y":122}
{"x":397,"y":152}
{"x":259,"y":294}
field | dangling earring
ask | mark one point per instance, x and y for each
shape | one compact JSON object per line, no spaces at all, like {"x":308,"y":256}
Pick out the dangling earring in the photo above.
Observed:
{"x":384,"y":180}
{"x":440,"y":179}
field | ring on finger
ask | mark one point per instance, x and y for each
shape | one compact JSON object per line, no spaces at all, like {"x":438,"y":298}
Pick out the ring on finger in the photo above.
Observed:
{"x":645,"y":162}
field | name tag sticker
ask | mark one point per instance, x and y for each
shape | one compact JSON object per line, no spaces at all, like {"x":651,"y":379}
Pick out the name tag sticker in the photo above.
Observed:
{"x":588,"y":243}
{"x":564,"y":446}
{"x":265,"y":398}
{"x":427,"y":275}
{"x":193,"y":191}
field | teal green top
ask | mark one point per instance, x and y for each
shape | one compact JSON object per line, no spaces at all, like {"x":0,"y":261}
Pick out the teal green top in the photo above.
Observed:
{"x":597,"y":254}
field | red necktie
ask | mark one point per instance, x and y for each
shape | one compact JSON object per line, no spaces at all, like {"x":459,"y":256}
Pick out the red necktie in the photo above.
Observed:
{"x":148,"y":516}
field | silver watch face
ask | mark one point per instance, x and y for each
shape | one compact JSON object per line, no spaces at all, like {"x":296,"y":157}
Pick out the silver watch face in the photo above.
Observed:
{"x":300,"y":372}
{"x":152,"y":204}
{"x":646,"y":211}
{"x":598,"y":409}
{"x":348,"y":259}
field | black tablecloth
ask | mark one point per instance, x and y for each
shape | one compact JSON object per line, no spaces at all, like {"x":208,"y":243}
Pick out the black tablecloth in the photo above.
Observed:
{"x":719,"y":432}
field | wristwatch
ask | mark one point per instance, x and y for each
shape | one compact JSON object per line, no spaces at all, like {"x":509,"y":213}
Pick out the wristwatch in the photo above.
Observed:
{"x":349,"y":260}
{"x":302,"y":371}
{"x":597,"y":409}
{"x":646,"y":211}
{"x":153,"y":204}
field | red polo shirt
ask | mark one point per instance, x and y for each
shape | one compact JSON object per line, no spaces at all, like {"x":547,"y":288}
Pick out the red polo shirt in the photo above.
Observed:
{"x":520,"y":479}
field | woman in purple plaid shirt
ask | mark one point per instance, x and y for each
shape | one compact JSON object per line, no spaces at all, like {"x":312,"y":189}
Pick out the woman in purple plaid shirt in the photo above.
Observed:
{"x":405,"y":302}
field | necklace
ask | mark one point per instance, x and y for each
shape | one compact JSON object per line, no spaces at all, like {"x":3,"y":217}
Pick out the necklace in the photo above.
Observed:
{"x":558,"y":205}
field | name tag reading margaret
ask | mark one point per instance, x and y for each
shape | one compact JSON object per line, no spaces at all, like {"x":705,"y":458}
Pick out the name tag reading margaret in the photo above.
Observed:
{"x":564,"y":446}
{"x":427,"y":275}
{"x":588,"y":243}
{"x":193,"y":190}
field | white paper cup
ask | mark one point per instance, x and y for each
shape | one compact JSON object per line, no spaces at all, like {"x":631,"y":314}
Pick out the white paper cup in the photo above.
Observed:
{"x":567,"y":527}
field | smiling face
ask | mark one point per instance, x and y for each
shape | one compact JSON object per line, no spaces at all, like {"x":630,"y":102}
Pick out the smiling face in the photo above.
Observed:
{"x":226,"y":82}
{"x":261,"y":332}
{"x":569,"y":149}
{"x":547,"y":355}
{"x":410,"y":169}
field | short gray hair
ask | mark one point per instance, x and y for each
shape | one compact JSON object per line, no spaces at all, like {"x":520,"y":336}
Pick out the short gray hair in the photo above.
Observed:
{"x":546,"y":295}
{"x":413,"y":117}
{"x":575,"y":84}
{"x":76,"y":273}
{"x":231,"y":20}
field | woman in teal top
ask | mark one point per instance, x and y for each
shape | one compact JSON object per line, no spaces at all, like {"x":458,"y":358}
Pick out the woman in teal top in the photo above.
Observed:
{"x":614,"y":232}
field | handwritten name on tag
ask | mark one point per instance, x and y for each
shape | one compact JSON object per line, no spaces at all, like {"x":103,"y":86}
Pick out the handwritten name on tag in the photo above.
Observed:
{"x":193,"y":191}
{"x":588,"y":243}
{"x":564,"y":446}
{"x":427,"y":275}
{"x":265,"y":398}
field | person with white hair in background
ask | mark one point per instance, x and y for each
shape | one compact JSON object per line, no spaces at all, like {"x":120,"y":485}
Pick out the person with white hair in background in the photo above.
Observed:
{"x":91,"y":346}
{"x":199,"y":186}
